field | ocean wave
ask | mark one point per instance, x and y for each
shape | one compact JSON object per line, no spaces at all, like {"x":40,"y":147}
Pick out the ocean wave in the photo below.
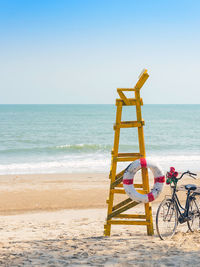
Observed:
{"x":97,"y":163}
{"x":75,"y":165}
{"x":67,"y":148}
{"x":95,"y":147}
{"x":59,"y":148}
{"x":84,"y":147}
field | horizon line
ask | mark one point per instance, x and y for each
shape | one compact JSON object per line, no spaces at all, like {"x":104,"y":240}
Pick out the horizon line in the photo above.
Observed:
{"x":96,"y":104}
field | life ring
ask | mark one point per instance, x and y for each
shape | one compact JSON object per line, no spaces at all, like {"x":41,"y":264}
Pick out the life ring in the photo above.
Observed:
{"x":128,"y":180}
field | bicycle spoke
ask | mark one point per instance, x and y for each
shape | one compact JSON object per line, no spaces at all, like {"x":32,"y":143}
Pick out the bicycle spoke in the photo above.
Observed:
{"x":194,"y":214}
{"x":166,"y":219}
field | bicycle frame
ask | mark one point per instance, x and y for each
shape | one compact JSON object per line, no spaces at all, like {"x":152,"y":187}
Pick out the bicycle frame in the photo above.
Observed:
{"x":175,"y":199}
{"x":178,"y":205}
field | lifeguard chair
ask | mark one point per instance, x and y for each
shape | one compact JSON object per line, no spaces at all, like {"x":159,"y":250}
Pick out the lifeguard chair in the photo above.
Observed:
{"x":115,"y":213}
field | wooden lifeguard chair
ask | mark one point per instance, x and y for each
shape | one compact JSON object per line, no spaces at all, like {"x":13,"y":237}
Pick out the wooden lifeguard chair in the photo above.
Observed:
{"x":115,"y":214}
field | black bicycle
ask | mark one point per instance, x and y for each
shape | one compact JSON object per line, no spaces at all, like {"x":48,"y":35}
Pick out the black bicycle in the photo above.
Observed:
{"x":170,"y":212}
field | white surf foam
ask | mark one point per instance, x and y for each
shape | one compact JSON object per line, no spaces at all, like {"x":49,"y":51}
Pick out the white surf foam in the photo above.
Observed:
{"x":96,"y":163}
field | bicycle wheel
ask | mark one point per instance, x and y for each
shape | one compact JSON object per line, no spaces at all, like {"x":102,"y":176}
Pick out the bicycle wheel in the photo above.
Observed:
{"x":194,"y":214}
{"x":166,"y":219}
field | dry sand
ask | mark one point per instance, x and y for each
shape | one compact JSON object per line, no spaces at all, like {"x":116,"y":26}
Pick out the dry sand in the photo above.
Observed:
{"x":25,"y":193}
{"x":57,"y":220}
{"x":42,"y":192}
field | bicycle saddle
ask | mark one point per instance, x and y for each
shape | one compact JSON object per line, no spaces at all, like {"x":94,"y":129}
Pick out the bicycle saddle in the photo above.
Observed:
{"x":190,"y":187}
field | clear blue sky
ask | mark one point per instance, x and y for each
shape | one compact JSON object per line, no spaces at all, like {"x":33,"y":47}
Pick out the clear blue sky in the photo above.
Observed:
{"x":80,"y":51}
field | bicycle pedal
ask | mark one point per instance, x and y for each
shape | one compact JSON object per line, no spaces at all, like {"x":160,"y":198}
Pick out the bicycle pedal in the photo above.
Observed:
{"x":183,"y":219}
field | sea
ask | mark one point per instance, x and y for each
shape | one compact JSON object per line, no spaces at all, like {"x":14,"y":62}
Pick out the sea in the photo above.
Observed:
{"x":79,"y":138}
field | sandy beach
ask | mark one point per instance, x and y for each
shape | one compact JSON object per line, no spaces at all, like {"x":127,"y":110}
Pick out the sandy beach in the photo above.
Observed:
{"x":49,"y":192}
{"x":57,"y":220}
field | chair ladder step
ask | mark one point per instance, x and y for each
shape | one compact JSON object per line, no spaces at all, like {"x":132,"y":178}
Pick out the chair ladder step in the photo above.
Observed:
{"x":126,"y":89}
{"x":129,"y":124}
{"x":127,"y":157}
{"x":131,"y":102}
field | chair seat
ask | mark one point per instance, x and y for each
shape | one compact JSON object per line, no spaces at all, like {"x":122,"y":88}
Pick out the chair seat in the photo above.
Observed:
{"x":190,"y":187}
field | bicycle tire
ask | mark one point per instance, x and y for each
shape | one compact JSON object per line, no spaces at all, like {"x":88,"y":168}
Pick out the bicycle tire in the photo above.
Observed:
{"x":194,"y":214}
{"x":166,"y":213}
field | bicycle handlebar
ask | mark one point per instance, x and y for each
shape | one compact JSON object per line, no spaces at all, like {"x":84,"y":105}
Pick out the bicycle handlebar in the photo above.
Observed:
{"x":192,"y":174}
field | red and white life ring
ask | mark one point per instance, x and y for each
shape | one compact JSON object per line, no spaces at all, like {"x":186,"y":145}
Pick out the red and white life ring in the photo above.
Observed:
{"x":128,"y":180}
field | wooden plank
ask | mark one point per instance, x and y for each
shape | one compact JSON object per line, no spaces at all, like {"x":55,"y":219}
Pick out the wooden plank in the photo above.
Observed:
{"x":122,"y":203}
{"x":118,"y":191}
{"x":135,"y":185}
{"x":113,"y":167}
{"x":122,"y":209}
{"x":123,"y":97}
{"x":132,"y":102}
{"x":126,"y":89}
{"x":129,"y":155}
{"x":127,"y":222}
{"x":124,"y":159}
{"x":120,"y":174}
{"x":131,"y":216}
{"x":119,"y":185}
{"x":122,"y":191}
{"x":142,"y":79}
{"x":145,"y":179}
{"x":128,"y":124}
{"x":118,"y":181}
{"x":138,"y":185}
{"x":118,"y":178}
